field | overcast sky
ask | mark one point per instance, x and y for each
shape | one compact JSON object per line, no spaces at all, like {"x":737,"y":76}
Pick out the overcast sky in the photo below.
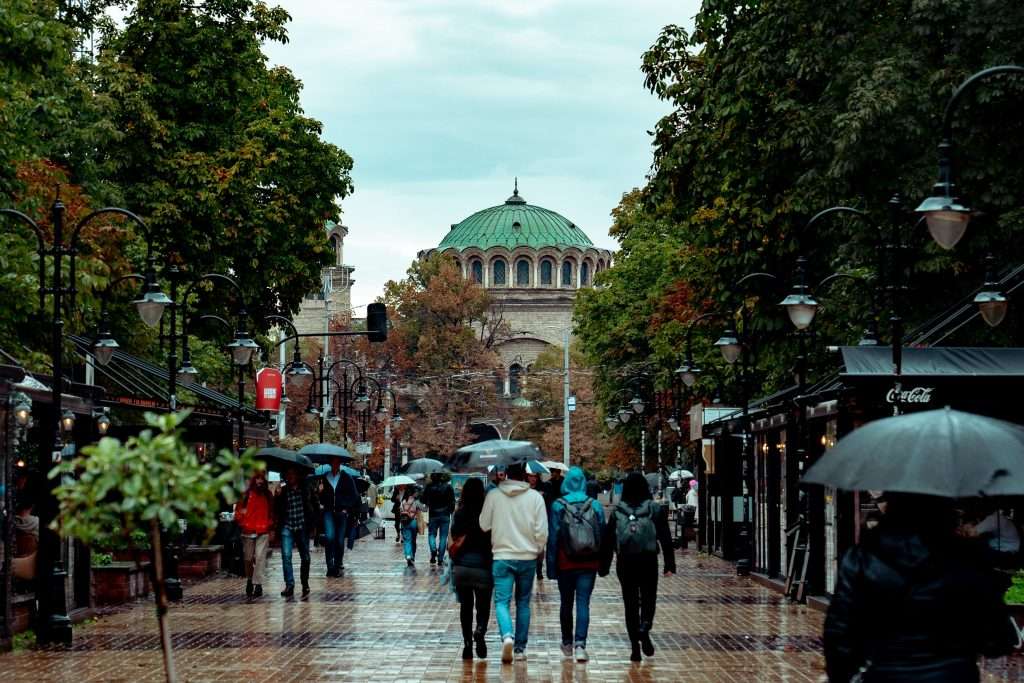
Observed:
{"x":442,"y":102}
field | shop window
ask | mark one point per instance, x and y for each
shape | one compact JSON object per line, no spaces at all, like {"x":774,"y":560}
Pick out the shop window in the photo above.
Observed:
{"x":499,"y":273}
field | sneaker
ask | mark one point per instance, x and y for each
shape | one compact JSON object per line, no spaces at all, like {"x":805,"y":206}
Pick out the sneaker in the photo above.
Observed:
{"x":581,"y":654}
{"x":567,"y":650}
{"x":257,"y":591}
{"x":520,"y":656}
{"x":248,"y":587}
{"x":288,"y":592}
{"x":506,"y":650}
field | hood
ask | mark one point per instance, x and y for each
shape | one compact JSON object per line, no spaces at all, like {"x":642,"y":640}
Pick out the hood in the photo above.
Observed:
{"x":903,"y":550}
{"x":574,"y":485}
{"x":512,"y":487}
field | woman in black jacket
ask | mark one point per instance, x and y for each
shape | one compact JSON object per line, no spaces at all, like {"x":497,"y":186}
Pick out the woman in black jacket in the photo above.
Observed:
{"x":913,"y":602}
{"x":637,"y":527}
{"x":471,"y":562}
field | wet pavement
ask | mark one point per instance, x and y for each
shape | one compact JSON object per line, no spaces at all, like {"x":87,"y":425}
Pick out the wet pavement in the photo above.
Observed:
{"x":382,"y":621}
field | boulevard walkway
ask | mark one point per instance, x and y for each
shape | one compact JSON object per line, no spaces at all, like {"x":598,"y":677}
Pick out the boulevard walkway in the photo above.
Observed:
{"x":383,"y":622}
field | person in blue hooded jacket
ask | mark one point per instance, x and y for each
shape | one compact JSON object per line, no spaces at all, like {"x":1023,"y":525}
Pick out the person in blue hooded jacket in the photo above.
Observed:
{"x":575,"y":571}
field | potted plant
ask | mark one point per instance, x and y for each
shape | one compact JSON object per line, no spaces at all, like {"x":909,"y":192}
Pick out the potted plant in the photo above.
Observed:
{"x":1015,"y":601}
{"x":147,"y":483}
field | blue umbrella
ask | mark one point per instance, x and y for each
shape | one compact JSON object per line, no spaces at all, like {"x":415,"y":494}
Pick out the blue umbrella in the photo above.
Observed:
{"x":324,"y":452}
{"x":324,"y":469}
{"x":535,"y":467}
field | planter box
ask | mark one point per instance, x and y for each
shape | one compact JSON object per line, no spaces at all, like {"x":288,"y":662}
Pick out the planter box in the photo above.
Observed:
{"x":199,"y":561}
{"x":129,"y":555}
{"x":119,"y":582}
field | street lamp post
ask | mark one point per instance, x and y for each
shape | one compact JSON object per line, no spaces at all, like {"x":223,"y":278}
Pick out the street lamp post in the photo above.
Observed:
{"x":53,"y":624}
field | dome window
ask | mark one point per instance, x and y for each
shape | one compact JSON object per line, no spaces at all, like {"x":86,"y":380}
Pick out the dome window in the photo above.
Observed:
{"x":499,"y":273}
{"x":585,"y":274}
{"x":546,"y":268}
{"x":522,"y":273}
{"x":517,"y":226}
{"x":477,"y":270}
{"x":567,"y":273}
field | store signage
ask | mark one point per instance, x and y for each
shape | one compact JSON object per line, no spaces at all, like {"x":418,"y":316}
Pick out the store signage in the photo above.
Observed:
{"x":364,"y":447}
{"x":916,"y":395}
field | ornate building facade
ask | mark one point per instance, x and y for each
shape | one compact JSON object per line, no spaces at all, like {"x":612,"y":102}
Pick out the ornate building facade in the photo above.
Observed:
{"x":532,"y":261}
{"x":332,"y":304}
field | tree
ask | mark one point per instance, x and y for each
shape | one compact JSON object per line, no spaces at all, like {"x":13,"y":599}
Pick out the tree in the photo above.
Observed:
{"x":765,"y":131}
{"x":148,"y":483}
{"x":214,"y":148}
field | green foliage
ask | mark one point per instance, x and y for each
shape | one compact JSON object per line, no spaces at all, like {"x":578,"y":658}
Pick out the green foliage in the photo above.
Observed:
{"x":216,"y":151}
{"x":102,"y":559}
{"x":152,"y":478}
{"x":1015,"y":593}
{"x":765,"y":131}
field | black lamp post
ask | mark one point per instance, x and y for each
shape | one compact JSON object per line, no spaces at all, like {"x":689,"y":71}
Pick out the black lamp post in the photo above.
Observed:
{"x":946,"y":214}
{"x":320,"y":394}
{"x":53,"y":625}
{"x":635,"y":406}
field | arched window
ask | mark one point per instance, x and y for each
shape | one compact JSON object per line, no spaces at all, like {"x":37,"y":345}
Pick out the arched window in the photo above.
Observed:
{"x":567,"y":274}
{"x":499,"y":381}
{"x":545,"y":272}
{"x":522,"y":273}
{"x":585,"y":274}
{"x":477,"y":269}
{"x":514,"y":376}
{"x":336,"y":248}
{"x":498,"y":273}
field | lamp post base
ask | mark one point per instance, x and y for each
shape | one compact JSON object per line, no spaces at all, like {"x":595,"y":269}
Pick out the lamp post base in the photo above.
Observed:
{"x":56,"y":626}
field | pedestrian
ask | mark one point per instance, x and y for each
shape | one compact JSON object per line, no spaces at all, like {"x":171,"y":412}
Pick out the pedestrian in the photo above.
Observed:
{"x":514,"y":514}
{"x":396,"y":504}
{"x":408,"y":513}
{"x":638,"y":526}
{"x":439,"y":497}
{"x":471,"y":561}
{"x":254,"y":514}
{"x":537,"y":485}
{"x":295,"y":515}
{"x":339,"y":500}
{"x":913,"y":601}
{"x":574,"y":556}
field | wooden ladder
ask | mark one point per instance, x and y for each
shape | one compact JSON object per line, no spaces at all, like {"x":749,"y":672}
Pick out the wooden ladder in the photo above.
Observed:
{"x":796,"y":585}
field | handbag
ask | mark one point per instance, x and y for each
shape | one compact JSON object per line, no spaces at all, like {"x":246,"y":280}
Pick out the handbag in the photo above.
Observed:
{"x":455,"y":544}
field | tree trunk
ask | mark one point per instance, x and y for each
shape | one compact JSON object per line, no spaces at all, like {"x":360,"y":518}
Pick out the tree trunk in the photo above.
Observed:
{"x":161,"y":602}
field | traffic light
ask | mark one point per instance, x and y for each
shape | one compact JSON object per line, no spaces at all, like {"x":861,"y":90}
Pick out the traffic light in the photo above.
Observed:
{"x":377,"y":322}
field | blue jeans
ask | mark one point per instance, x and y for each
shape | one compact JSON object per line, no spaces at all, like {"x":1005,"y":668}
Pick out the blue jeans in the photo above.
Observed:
{"x":290,"y":539}
{"x":438,"y":526}
{"x":335,"y":531}
{"x":409,"y":532}
{"x":517,"y":575}
{"x":578,"y":584}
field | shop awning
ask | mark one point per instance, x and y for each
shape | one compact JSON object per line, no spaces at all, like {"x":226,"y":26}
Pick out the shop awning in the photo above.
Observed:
{"x":951,"y":361}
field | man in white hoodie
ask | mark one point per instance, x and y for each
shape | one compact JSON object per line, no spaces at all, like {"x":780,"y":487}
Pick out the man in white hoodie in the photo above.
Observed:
{"x":516,"y":517}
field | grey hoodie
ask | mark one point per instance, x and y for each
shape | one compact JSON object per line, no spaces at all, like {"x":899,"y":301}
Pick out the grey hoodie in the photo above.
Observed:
{"x":517,"y":519}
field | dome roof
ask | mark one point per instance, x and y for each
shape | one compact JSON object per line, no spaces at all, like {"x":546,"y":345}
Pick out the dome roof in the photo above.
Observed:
{"x":515,"y":224}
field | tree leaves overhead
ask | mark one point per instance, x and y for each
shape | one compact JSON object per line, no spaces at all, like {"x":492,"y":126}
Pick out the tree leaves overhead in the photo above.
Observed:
{"x":781,"y":109}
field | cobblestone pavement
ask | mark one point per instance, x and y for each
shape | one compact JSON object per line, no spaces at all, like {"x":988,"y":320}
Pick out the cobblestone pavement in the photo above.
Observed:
{"x":385,"y":622}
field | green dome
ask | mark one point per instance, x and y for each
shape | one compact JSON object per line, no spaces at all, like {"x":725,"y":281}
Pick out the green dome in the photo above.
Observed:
{"x":515,"y":224}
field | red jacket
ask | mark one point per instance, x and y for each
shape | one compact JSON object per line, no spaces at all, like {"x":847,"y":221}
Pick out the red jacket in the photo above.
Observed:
{"x":254,"y":513}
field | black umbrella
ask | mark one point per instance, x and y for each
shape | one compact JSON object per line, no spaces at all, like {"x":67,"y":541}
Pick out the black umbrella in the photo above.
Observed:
{"x":423,"y":466}
{"x":325,"y":452}
{"x":944,"y":453}
{"x":362,"y":485}
{"x":482,"y":455}
{"x":280,"y":459}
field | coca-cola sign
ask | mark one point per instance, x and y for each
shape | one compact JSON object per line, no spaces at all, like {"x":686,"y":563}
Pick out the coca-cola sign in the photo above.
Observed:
{"x":915,"y":395}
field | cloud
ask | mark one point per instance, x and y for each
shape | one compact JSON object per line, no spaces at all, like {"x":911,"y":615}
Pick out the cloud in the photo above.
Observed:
{"x":442,"y":102}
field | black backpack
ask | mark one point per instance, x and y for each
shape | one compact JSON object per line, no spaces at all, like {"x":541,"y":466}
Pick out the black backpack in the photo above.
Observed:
{"x":579,"y":531}
{"x":635,"y":532}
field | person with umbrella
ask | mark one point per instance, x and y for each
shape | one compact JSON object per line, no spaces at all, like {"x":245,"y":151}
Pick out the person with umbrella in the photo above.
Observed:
{"x":254,"y":514}
{"x":295,"y":512}
{"x":914,"y":600}
{"x":340,"y":501}
{"x":439,"y":497}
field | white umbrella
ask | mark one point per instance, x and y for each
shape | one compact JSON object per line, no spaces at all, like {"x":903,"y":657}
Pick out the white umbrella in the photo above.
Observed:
{"x":681,"y":474}
{"x":397,"y":480}
{"x":555,"y":465}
